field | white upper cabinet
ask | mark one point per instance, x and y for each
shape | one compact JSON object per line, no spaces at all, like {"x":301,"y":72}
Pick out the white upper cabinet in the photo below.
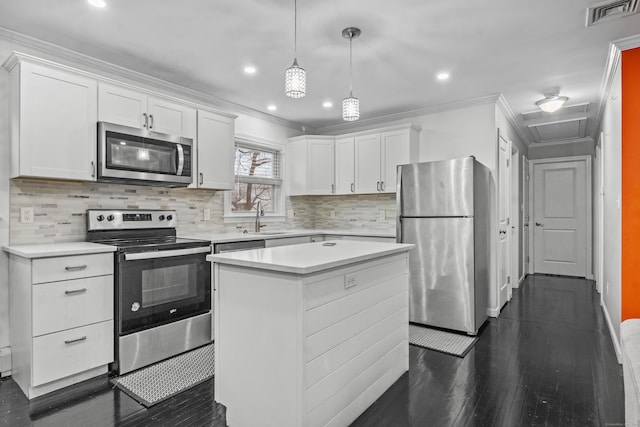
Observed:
{"x":378,"y":156}
{"x":215,"y":152}
{"x":310,"y":165}
{"x":367,"y":165}
{"x":345,"y":164}
{"x":53,"y":122}
{"x":128,"y":107}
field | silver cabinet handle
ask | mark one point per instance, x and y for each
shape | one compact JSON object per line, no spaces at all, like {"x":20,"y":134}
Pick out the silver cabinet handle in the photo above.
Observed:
{"x":503,"y":231}
{"x":93,"y":170}
{"x":75,"y":340}
{"x":201,"y":178}
{"x":146,"y":120}
{"x":378,"y":186}
{"x":75,"y":267}
{"x":333,"y":188}
{"x":353,"y":190}
{"x":150,"y":121}
{"x":381,"y":185}
{"x":75,"y":291}
{"x":539,"y":225}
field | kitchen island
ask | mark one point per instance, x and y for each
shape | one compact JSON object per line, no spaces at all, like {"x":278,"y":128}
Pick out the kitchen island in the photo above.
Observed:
{"x":309,"y":334}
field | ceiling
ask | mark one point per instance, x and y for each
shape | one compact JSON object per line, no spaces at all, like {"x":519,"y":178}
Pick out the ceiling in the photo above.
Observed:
{"x":520,"y":49}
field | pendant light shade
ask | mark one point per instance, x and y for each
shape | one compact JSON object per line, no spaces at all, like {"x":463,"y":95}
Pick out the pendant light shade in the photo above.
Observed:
{"x":350,"y":108}
{"x":552,"y":103}
{"x":295,"y":81}
{"x":295,"y":77}
{"x":350,"y":105}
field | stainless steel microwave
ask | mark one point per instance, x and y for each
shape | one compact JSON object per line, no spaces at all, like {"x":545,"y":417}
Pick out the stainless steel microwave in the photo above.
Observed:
{"x":138,"y":156}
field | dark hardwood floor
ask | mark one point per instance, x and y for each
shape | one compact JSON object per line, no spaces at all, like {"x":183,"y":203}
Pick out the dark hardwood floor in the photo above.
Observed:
{"x":547,"y":360}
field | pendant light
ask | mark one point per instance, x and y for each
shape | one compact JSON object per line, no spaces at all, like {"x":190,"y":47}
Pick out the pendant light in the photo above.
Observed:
{"x":350,"y":105}
{"x":295,"y":77}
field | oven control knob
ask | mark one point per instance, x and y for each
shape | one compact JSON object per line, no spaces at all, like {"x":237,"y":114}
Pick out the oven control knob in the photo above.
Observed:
{"x":169,"y":217}
{"x":110,"y":218}
{"x":161,"y":217}
{"x":100,"y":217}
{"x":135,"y":306}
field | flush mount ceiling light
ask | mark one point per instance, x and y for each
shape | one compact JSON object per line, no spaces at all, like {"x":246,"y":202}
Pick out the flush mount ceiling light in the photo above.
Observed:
{"x":551,"y":102}
{"x":250,"y":69}
{"x":351,"y":105}
{"x":295,"y":77}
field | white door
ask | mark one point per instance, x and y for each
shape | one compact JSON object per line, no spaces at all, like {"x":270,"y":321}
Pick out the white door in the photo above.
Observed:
{"x":504,"y":204}
{"x":215,"y":152}
{"x":171,"y":118}
{"x":345,"y":164}
{"x":525,"y":216}
{"x":514,"y":218}
{"x":560,"y":205}
{"x":367,"y":149}
{"x":122,"y":106}
{"x":320,"y":161}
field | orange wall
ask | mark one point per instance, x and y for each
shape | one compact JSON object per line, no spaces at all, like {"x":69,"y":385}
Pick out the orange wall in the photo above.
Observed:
{"x":630,"y":184}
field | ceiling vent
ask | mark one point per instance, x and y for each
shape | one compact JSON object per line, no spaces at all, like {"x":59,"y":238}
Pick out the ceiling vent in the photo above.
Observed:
{"x":610,"y":10}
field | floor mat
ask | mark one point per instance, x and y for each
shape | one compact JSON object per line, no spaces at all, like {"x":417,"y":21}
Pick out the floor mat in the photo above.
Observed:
{"x":444,"y":342}
{"x":162,"y":380}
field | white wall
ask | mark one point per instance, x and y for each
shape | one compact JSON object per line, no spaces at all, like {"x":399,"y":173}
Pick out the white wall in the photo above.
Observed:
{"x":583,"y":148}
{"x":612,"y":154}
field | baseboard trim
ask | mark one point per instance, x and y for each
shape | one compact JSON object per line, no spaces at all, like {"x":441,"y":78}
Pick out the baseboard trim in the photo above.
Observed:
{"x":5,"y":362}
{"x":493,"y":312}
{"x":614,"y":337}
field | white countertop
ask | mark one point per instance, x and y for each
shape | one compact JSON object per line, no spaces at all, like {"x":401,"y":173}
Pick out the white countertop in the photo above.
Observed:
{"x":309,"y":257}
{"x":280,"y":234}
{"x":58,"y":249}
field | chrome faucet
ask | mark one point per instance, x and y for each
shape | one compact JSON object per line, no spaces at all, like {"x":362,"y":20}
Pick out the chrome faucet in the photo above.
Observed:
{"x":258,"y":214}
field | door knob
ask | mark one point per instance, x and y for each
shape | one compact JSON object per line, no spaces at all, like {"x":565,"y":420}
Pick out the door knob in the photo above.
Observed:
{"x":539,"y":224}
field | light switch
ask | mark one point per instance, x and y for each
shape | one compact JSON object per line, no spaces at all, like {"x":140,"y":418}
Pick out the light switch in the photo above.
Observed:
{"x":350,"y":280}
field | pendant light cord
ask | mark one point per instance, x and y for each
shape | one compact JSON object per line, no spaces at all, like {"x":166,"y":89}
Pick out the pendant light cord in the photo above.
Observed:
{"x":295,"y":29}
{"x":350,"y":66}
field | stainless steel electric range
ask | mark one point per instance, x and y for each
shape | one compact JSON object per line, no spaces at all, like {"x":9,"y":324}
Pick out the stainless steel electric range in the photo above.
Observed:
{"x":162,"y":285}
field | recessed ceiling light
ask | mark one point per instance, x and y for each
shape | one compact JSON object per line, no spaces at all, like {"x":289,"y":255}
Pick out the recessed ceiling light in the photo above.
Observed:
{"x":272,"y":107}
{"x":327,"y":104}
{"x":443,"y":76}
{"x":250,"y":69}
{"x":97,"y":3}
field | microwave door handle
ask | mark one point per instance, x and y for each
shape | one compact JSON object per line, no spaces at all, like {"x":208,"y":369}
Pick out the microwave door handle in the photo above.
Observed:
{"x":180,"y":160}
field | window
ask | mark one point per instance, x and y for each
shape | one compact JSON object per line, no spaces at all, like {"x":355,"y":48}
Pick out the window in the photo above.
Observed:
{"x":257,"y":180}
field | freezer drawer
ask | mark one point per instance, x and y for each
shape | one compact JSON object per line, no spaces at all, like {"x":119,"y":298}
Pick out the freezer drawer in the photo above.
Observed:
{"x":441,"y":272}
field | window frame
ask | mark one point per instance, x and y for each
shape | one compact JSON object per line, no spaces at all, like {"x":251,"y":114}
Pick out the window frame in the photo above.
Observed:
{"x":278,"y":200}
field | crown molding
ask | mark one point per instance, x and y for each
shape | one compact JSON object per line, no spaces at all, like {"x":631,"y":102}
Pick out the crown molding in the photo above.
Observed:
{"x":382,"y":120}
{"x":511,"y":117}
{"x":614,"y":59}
{"x":72,"y":58}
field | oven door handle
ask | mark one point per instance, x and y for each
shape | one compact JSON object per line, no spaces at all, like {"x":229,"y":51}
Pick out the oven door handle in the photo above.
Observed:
{"x":166,"y":254}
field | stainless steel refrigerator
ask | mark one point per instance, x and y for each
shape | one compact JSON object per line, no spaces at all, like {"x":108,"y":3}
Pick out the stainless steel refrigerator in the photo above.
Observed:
{"x":444,"y":209}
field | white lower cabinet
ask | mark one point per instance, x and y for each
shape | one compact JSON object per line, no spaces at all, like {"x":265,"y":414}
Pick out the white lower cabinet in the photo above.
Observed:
{"x":272,"y":243}
{"x":61,"y":329}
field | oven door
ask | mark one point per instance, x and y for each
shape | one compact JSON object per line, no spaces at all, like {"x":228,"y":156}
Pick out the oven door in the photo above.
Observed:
{"x":158,"y":287}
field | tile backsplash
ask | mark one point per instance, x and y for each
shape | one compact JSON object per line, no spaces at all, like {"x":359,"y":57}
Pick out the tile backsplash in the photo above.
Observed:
{"x":59,"y":209}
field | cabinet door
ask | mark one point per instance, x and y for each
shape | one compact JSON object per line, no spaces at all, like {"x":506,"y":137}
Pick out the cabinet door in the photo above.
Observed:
{"x":122,"y":106}
{"x":57,"y":124}
{"x":395,"y":151}
{"x":345,"y":165}
{"x":320,"y":162}
{"x":296,"y":161}
{"x":215,"y":151}
{"x":171,"y":118}
{"x":367,"y":164}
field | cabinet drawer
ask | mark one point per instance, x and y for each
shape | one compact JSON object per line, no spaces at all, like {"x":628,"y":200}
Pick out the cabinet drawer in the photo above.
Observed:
{"x":66,"y":353}
{"x":71,"y":267}
{"x":71,"y":303}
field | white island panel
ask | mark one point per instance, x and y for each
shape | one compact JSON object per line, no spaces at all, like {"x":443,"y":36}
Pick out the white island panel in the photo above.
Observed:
{"x":311,"y":349}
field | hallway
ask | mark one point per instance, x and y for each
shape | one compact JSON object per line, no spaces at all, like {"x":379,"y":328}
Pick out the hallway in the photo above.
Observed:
{"x":547,"y":361}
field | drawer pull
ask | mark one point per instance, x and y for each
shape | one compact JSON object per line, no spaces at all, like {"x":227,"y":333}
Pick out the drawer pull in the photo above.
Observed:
{"x":75,"y":291}
{"x":75,"y":340}
{"x":75,"y":267}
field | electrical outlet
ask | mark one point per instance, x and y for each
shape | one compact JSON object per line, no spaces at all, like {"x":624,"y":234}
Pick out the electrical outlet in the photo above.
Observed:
{"x":333,"y":214}
{"x":26,"y":215}
{"x":382,"y":214}
{"x":206,"y":214}
{"x":350,"y":280}
{"x":291,"y":213}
